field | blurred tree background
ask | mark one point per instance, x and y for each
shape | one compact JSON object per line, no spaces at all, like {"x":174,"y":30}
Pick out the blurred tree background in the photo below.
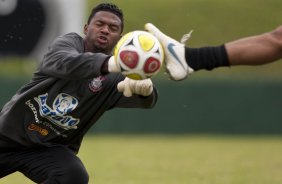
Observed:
{"x":214,"y":22}
{"x":227,"y":100}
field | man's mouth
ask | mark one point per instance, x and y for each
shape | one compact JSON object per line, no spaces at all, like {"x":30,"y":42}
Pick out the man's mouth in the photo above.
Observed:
{"x":102,"y":40}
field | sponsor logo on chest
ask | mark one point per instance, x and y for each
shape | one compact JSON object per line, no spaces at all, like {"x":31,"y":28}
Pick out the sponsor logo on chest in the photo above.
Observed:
{"x":58,"y":113}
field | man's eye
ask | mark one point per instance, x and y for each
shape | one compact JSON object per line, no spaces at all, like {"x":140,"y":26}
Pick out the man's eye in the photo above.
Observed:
{"x":99,"y":24}
{"x":114,"y":28}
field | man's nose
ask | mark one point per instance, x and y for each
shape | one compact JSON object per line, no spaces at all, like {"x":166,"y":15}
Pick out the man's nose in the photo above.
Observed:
{"x":105,"y":29}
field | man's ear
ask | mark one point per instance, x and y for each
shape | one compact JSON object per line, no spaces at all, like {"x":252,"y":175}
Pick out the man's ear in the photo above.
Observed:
{"x":85,"y":30}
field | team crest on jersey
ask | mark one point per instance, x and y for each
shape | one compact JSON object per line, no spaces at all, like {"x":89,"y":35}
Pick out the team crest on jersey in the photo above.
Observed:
{"x":96,"y":84}
{"x":62,"y":105}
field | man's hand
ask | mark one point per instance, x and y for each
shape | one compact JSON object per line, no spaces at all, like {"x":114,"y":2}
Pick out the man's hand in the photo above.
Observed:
{"x":175,"y":61}
{"x":139,"y":87}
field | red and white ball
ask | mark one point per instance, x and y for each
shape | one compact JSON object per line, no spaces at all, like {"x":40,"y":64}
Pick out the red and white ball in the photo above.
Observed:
{"x":139,"y":54}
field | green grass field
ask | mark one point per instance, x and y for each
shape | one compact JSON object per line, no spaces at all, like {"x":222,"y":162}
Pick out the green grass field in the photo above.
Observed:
{"x":152,"y":159}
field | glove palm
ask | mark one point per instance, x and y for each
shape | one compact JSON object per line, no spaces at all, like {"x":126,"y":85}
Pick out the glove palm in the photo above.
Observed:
{"x":139,"y":87}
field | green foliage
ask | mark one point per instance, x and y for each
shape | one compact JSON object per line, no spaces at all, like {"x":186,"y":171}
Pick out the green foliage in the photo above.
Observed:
{"x":17,"y":67}
{"x":214,"y":22}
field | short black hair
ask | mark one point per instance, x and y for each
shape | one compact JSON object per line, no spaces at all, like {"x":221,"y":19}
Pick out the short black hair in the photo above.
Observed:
{"x":110,"y":7}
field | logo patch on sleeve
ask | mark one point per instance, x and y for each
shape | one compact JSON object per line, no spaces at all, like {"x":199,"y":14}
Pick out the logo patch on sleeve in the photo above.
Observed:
{"x":96,"y":84}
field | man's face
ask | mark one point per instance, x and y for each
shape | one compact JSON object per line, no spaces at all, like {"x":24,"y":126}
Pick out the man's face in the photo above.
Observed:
{"x":103,"y":32}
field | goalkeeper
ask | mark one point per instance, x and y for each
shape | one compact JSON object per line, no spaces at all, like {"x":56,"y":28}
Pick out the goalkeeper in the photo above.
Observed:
{"x":254,"y":50}
{"x":42,"y":126}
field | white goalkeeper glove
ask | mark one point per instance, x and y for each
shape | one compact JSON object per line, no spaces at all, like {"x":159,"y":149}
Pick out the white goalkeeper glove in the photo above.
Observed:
{"x":175,"y":61}
{"x":139,"y":87}
{"x":113,"y":65}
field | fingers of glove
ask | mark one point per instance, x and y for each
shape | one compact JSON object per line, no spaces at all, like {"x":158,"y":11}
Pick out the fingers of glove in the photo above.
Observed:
{"x":140,"y":87}
{"x":120,"y":86}
{"x":163,"y":38}
{"x":143,"y":87}
{"x":127,"y":91}
{"x":124,"y":87}
{"x":148,"y":87}
{"x":152,"y":29}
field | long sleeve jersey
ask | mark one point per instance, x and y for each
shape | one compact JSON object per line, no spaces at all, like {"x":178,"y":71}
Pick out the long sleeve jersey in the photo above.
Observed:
{"x":66,"y":96}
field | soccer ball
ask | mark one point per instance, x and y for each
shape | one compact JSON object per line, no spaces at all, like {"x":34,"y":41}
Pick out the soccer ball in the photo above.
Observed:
{"x":139,"y":54}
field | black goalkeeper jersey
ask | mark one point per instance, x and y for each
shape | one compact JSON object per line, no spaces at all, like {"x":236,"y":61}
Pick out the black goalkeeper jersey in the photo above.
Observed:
{"x":66,"y":96}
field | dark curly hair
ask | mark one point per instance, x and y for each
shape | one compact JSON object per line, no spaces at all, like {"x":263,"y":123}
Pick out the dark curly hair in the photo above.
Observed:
{"x":110,"y":8}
